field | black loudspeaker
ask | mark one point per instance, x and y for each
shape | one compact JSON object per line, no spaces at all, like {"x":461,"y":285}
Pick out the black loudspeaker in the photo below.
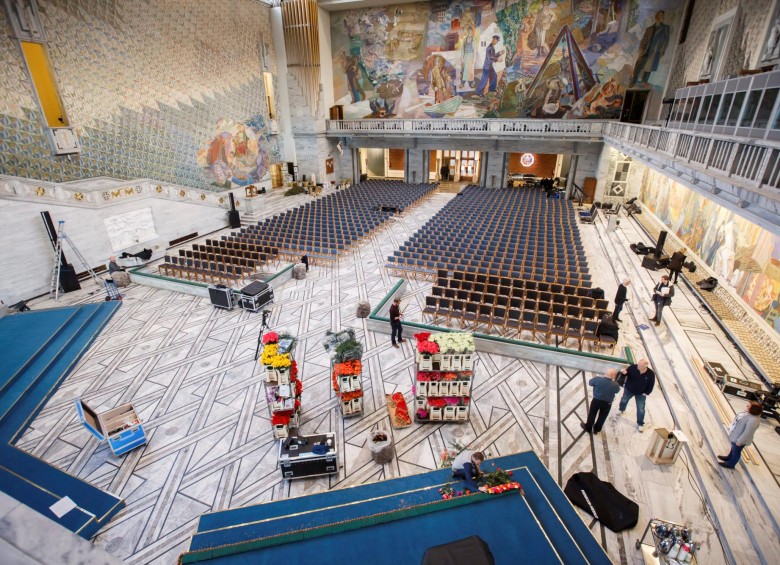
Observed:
{"x":650,"y":262}
{"x":290,"y":168}
{"x":234,"y":219}
{"x":232,"y":202}
{"x":659,"y":246}
{"x":68,"y":279}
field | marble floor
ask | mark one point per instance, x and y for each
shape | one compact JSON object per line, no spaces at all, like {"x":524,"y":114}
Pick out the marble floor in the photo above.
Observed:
{"x":189,"y":369}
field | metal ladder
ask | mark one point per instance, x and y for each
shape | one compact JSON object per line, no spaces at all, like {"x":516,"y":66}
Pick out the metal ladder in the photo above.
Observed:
{"x":54,"y":286}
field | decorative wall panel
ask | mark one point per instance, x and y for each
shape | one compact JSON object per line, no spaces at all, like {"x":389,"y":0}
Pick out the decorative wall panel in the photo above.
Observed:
{"x":741,"y":254}
{"x":473,"y":58}
{"x":145,"y":83}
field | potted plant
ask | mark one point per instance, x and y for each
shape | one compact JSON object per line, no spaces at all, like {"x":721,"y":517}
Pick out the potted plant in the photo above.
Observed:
{"x":380,"y":444}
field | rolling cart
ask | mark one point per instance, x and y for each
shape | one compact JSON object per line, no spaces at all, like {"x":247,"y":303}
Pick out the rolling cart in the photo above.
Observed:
{"x":654,"y":551}
{"x":112,"y":291}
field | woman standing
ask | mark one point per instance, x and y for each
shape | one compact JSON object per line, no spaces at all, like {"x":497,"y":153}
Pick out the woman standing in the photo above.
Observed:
{"x":467,"y":58}
{"x":741,"y":432}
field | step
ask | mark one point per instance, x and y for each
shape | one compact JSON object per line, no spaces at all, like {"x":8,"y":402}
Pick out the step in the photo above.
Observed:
{"x":24,"y":336}
{"x":40,"y":500}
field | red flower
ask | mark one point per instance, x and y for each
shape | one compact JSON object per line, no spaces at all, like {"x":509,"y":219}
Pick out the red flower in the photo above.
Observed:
{"x":270,"y":337}
{"x":422,"y":336}
{"x":427,"y":347}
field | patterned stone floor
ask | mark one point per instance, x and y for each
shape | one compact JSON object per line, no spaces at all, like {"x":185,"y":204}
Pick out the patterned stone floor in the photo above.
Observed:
{"x":190,"y":371}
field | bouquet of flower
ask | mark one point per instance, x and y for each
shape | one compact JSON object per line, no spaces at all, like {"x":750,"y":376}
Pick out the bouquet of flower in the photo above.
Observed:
{"x":422,"y":336}
{"x":447,"y":491}
{"x":450,"y":376}
{"x":401,"y":411}
{"x":496,"y":477}
{"x":298,"y":388}
{"x":352,"y":367}
{"x":332,"y":340}
{"x":270,"y":337}
{"x":348,"y":350}
{"x":427,"y":347}
{"x":293,"y":371}
{"x":435,"y":402}
{"x":422,"y":414}
{"x":451,"y":400}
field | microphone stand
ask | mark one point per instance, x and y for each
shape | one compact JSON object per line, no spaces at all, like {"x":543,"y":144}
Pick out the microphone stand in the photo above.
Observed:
{"x":263,"y":327}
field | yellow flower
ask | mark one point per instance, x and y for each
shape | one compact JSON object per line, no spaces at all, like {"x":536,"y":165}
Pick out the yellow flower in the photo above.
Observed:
{"x":269,"y":352}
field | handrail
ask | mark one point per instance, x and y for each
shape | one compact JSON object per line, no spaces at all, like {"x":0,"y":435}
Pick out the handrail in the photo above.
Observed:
{"x":475,"y":126}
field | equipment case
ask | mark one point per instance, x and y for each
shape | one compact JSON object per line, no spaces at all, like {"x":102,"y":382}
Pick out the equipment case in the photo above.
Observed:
{"x":297,"y":460}
{"x":120,"y":426}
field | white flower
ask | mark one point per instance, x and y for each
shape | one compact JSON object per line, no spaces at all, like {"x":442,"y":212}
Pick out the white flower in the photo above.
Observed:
{"x":454,"y":342}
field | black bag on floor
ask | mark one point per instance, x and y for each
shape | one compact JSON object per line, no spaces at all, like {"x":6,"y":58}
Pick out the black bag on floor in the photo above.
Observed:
{"x":596,"y":293}
{"x":708,"y":284}
{"x":603,"y":501}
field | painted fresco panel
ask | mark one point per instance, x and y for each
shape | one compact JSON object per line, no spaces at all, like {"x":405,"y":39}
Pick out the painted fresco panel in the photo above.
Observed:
{"x":742,"y":255}
{"x":501,"y":59}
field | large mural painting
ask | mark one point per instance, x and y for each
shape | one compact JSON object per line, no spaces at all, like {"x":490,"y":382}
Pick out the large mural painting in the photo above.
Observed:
{"x":237,"y":155}
{"x":501,"y":59}
{"x":741,"y":254}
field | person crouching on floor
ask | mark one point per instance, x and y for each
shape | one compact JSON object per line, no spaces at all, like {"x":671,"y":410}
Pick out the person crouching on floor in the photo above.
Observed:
{"x":466,"y":467}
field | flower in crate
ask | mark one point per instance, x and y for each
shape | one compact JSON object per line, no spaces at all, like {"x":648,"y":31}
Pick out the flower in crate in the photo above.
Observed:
{"x":280,"y":419}
{"x":281,"y":361}
{"x":451,"y":400}
{"x":422,"y":414}
{"x":269,"y":352}
{"x":351,"y":367}
{"x":422,"y":336}
{"x":436,"y":402}
{"x":449,"y":376}
{"x":423,"y":376}
{"x":427,"y":347}
{"x":298,"y":388}
{"x":345,"y":396}
{"x":270,"y":337}
{"x":456,"y":342}
{"x":465,"y":400}
{"x":293,"y":370}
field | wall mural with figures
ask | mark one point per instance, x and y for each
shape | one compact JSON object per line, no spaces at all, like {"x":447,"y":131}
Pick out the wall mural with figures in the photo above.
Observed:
{"x":742,"y":255}
{"x":238,"y":154}
{"x":501,"y":59}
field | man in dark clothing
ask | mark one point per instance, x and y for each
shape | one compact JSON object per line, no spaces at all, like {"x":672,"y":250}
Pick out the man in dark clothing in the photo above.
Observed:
{"x":640,"y":380}
{"x":445,"y":172}
{"x":305,"y":261}
{"x":604,"y":390}
{"x":662,"y":296}
{"x":676,"y":264}
{"x":621,"y":297}
{"x":113,"y":266}
{"x":395,"y":322}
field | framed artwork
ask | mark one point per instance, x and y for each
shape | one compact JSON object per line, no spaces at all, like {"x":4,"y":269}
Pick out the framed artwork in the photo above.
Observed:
{"x":769,"y":53}
{"x":718,"y":44}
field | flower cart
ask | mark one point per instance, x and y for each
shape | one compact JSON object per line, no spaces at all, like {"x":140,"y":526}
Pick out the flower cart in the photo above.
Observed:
{"x":445,"y":371}
{"x":283,"y":386}
{"x":346,"y":370}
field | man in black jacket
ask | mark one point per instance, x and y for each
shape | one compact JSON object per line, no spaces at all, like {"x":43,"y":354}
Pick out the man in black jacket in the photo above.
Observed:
{"x":640,"y":380}
{"x":662,"y":296}
{"x":620,"y":298}
{"x":676,"y":264}
{"x":395,"y":322}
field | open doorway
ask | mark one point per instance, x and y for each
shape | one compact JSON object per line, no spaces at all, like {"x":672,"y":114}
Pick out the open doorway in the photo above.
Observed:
{"x":454,"y":166}
{"x":634,"y":103}
{"x":379,"y":163}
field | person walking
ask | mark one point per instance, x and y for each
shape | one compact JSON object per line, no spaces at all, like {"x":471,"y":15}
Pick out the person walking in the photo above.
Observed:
{"x":621,"y":297}
{"x":604,"y":390}
{"x":640,"y":380}
{"x":395,"y":323}
{"x":662,"y":296}
{"x":741,"y":431}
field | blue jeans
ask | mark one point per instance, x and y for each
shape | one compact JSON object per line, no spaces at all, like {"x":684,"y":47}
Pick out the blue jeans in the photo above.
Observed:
{"x":734,"y":455}
{"x":467,"y":474}
{"x":640,"y":405}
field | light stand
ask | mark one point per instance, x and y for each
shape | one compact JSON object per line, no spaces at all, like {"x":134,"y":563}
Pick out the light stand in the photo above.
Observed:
{"x":263,"y":327}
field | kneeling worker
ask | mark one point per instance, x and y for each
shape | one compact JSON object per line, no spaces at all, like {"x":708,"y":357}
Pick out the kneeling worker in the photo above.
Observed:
{"x":466,"y":467}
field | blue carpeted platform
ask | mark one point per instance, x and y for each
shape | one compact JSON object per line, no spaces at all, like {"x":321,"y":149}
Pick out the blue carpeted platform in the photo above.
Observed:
{"x":541,"y":525}
{"x":41,"y":348}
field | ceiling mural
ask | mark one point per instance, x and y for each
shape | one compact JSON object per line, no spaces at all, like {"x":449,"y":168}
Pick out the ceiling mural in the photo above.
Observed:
{"x":501,"y":59}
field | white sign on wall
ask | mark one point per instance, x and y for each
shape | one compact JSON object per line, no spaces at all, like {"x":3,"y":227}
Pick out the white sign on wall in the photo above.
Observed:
{"x":130,"y":228}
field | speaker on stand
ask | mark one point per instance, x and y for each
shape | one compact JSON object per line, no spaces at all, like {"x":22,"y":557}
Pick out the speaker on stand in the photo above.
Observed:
{"x":234,"y":219}
{"x":659,"y":247}
{"x":69,"y":281}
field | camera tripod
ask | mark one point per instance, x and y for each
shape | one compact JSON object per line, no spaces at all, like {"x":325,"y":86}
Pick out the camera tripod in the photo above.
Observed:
{"x":263,"y":327}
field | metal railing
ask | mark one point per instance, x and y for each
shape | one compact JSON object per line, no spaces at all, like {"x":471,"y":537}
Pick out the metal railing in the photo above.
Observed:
{"x":478,"y":127}
{"x":754,"y":163}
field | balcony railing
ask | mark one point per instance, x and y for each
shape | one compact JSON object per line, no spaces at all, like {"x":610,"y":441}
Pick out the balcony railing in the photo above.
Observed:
{"x":476,"y":127}
{"x":754,"y":163}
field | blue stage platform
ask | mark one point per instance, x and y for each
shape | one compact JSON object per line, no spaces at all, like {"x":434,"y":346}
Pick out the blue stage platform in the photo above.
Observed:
{"x":395,"y":521}
{"x":37,"y":351}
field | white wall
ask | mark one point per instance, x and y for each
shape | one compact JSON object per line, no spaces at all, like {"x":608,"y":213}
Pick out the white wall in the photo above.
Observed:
{"x":27,"y":257}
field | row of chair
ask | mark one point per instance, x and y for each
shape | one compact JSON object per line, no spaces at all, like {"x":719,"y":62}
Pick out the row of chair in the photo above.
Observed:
{"x":518,"y":297}
{"x":507,"y":321}
{"x":455,"y":279}
{"x":206,"y":271}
